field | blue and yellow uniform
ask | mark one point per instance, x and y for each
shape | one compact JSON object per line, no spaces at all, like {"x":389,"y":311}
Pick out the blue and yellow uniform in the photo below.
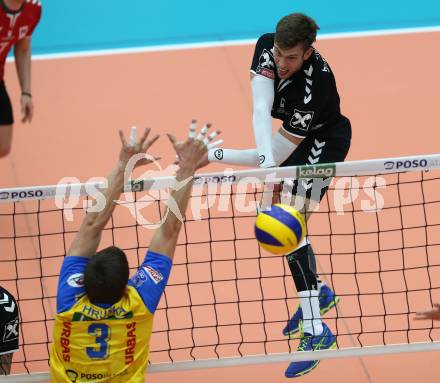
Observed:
{"x":105,"y":343}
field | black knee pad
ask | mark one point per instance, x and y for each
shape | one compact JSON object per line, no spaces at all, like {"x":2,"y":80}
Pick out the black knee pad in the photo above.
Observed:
{"x":302,"y":265}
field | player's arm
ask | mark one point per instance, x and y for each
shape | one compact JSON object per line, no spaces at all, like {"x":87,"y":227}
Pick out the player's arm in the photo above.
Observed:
{"x":22,"y":53}
{"x":270,"y":151}
{"x":87,"y":240}
{"x":5,"y":363}
{"x":189,"y":153}
{"x":433,"y":314}
{"x":263,"y":95}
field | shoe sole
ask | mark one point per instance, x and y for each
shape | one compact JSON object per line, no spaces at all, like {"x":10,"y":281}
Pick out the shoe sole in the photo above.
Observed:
{"x":323,"y":311}
{"x":332,"y":347}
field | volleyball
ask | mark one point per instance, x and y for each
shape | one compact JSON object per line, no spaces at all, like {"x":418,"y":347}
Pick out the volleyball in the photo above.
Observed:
{"x":280,"y":229}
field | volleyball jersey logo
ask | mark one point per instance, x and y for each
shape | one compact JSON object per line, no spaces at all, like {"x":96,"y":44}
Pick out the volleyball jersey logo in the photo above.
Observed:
{"x":23,"y":31}
{"x":76,"y":280}
{"x":11,"y":331}
{"x":266,"y":65}
{"x":155,"y":275}
{"x":72,"y":375}
{"x":139,"y":279}
{"x":301,"y":120}
{"x":218,"y":154}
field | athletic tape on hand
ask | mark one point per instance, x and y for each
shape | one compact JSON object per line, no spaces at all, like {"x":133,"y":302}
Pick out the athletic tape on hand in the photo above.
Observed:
{"x":192,"y":129}
{"x":133,"y":136}
{"x":208,"y":139}
{"x":202,"y":133}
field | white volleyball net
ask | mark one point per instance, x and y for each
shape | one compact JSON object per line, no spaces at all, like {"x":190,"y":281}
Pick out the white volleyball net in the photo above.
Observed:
{"x":376,"y":236}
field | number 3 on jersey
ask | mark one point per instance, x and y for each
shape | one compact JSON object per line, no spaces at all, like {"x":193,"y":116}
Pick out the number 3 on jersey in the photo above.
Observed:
{"x":101,"y":332}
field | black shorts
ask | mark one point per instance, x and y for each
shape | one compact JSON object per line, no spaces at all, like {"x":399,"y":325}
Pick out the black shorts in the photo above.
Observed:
{"x":6,"y":115}
{"x":9,"y":324}
{"x":328,"y":146}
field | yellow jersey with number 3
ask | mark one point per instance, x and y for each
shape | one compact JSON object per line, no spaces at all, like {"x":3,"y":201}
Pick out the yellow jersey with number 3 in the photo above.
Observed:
{"x":107,"y":344}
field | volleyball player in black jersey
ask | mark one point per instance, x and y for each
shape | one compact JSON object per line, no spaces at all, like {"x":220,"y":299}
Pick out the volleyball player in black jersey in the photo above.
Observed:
{"x":293,"y":83}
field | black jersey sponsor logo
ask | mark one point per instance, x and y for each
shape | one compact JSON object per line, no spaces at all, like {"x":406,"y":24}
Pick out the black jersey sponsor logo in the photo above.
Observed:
{"x":218,"y":154}
{"x":325,"y":66}
{"x":301,"y":119}
{"x":262,"y":159}
{"x":282,"y":106}
{"x":266,"y":65}
{"x":405,"y":164}
{"x":316,"y":171}
{"x":282,"y":103}
{"x":10,"y":332}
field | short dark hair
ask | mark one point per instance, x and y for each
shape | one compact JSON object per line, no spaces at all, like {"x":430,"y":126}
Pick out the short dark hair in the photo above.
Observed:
{"x":294,"y":29}
{"x":106,"y":276}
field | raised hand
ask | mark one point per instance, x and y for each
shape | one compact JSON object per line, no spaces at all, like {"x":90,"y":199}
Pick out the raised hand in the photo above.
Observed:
{"x":128,"y":150}
{"x":192,"y":152}
{"x":433,"y":314}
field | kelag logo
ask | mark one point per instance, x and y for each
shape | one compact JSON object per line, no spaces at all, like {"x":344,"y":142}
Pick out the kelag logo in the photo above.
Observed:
{"x":316,"y":171}
{"x":405,"y":164}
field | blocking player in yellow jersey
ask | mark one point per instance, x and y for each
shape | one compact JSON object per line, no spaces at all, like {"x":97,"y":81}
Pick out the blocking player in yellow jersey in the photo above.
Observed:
{"x":104,"y":318}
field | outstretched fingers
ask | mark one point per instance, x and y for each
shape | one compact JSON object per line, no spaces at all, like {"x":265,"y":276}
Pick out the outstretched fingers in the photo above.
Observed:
{"x":434,"y":313}
{"x":201,"y":136}
{"x":123,"y":140}
{"x":144,"y":136}
{"x":172,"y":140}
{"x":149,"y":143}
{"x":208,"y":139}
{"x":421,"y":316}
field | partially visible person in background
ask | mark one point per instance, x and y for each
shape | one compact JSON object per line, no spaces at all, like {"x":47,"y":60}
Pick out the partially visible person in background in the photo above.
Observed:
{"x":18,"y":19}
{"x":8,"y":330}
